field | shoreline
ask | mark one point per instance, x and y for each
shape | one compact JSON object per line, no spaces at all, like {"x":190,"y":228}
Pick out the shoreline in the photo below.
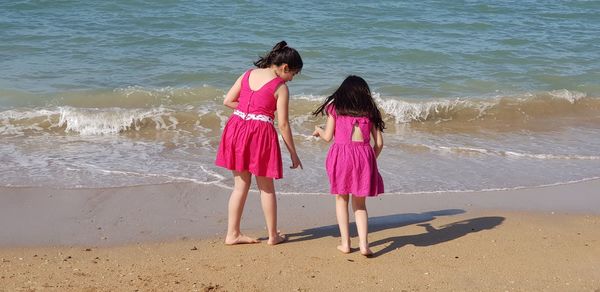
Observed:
{"x":168,"y":212}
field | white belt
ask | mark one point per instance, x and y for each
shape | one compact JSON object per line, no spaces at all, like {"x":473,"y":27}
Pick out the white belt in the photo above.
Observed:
{"x":255,"y":117}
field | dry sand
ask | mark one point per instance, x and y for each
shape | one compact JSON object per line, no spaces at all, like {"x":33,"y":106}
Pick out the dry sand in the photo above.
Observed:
{"x":169,"y":238}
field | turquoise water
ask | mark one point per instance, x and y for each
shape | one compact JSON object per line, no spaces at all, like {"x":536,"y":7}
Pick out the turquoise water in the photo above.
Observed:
{"x":476,"y":94}
{"x":425,"y":49}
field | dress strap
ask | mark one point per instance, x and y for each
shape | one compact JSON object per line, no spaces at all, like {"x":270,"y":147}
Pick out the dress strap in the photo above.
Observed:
{"x":246,"y":78}
{"x":273,"y":84}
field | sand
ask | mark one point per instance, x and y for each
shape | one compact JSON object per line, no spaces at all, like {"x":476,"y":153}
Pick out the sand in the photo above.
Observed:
{"x":169,"y":238}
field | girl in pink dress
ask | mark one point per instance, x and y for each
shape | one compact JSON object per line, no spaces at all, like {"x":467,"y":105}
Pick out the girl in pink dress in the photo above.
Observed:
{"x":352,"y":119}
{"x":249,"y":144}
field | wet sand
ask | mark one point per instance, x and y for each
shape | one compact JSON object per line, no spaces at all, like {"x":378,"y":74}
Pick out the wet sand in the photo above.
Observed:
{"x":169,"y":238}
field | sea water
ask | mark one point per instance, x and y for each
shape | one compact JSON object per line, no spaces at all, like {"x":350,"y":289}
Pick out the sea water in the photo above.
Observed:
{"x":476,"y":95}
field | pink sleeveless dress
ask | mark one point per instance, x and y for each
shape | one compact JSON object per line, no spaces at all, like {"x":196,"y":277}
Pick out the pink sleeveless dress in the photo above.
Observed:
{"x":249,"y":140}
{"x":351,"y":165}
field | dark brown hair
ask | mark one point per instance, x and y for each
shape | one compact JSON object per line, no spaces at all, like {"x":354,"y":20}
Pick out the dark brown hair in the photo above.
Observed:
{"x":353,"y":98}
{"x":281,"y":54}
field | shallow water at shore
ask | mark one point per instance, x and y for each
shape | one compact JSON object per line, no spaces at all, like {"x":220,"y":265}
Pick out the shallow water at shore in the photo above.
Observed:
{"x":139,"y":136}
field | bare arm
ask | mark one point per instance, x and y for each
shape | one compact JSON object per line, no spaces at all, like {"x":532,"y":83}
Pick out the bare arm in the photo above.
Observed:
{"x":327,"y":133}
{"x":231,"y":99}
{"x":284,"y":124}
{"x":377,"y":140}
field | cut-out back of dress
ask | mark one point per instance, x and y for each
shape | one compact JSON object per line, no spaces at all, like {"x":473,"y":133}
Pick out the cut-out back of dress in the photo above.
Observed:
{"x":356,"y":133}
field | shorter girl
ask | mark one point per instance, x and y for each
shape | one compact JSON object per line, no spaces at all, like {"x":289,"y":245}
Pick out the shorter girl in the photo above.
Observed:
{"x":352,"y":117}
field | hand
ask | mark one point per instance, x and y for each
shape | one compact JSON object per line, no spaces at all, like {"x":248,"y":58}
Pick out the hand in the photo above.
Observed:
{"x":296,"y":162}
{"x":317,"y":132}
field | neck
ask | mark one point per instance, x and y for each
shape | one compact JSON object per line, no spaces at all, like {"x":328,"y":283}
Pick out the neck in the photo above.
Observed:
{"x":275,"y":72}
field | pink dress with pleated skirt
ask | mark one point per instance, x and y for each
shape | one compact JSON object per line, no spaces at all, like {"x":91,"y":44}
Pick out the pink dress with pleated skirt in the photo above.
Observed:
{"x":249,"y":141}
{"x":351,"y":165}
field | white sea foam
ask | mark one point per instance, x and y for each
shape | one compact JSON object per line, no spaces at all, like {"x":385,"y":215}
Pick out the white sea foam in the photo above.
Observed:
{"x":309,"y":97}
{"x":550,"y":156}
{"x":26,"y":114}
{"x":514,"y":154}
{"x":406,"y":112}
{"x":110,"y":121}
{"x":571,"y":96}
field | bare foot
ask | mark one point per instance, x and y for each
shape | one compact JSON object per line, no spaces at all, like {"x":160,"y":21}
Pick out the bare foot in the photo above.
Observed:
{"x":366,"y":252}
{"x":241,"y":239}
{"x":344,"y":249}
{"x":277,"y":240}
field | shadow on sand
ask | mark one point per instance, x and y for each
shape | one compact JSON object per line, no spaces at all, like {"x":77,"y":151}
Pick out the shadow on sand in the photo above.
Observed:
{"x":430,"y":237}
{"x":433,"y":236}
{"x":375,"y":224}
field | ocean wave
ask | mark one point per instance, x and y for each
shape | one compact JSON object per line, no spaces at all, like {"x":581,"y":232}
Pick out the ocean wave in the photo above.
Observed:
{"x":517,"y":108}
{"x":191,"y":112}
{"x":419,"y":111}
{"x":98,"y":122}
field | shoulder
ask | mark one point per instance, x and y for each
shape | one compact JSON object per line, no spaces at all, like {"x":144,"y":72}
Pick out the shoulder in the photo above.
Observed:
{"x":281,"y":93}
{"x":330,"y":109}
{"x":281,"y":88}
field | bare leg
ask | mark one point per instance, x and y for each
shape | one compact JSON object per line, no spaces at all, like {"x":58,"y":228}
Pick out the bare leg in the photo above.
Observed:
{"x":269,"y":205}
{"x":237,"y":200}
{"x":341,"y":212}
{"x":362,"y":223}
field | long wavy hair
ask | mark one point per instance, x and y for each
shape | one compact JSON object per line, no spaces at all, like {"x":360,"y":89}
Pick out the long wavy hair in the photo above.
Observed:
{"x":281,"y":54}
{"x":353,"y":98}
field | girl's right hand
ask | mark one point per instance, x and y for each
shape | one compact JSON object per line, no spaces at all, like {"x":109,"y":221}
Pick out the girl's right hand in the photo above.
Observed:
{"x":317,"y":132}
{"x":296,"y":162}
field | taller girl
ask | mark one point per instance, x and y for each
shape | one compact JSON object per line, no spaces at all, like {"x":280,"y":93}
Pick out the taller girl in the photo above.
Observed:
{"x":353,"y":118}
{"x":249,"y":144}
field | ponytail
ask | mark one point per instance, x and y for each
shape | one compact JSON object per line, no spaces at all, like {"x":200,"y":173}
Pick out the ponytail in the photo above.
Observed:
{"x":281,"y":54}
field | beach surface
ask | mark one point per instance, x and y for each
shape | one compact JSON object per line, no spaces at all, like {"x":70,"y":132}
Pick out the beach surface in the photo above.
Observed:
{"x":169,"y":238}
